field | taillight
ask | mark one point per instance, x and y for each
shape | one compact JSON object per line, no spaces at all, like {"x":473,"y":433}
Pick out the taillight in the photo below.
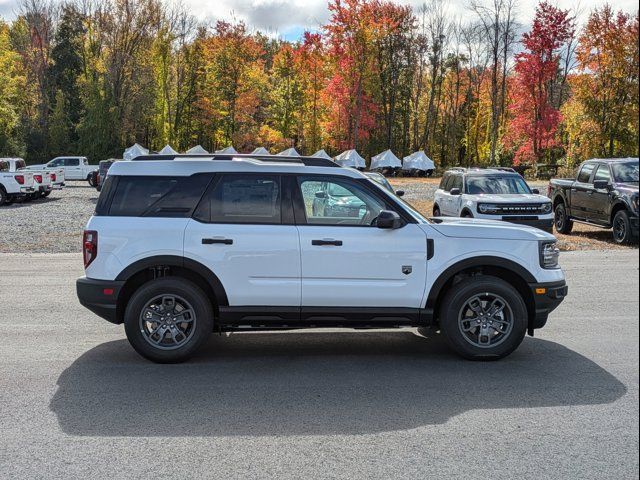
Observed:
{"x":89,"y":246}
{"x":20,"y":179}
{"x":53,"y":177}
{"x":38,"y":178}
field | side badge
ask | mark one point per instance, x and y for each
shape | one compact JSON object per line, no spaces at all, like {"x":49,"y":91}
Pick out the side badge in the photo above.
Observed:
{"x":406,"y":269}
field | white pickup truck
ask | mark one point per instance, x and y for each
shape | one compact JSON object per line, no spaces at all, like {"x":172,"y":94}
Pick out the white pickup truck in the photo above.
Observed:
{"x":75,"y":168}
{"x":14,"y":185}
{"x":45,"y":180}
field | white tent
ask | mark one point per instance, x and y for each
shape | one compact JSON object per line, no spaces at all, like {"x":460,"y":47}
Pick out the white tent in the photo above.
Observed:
{"x":134,"y":151}
{"x":322,"y":154}
{"x":260,"y":151}
{"x":197,"y":150}
{"x":289,"y":152}
{"x":167,"y":150}
{"x":385,"y":159}
{"x":418,"y":161}
{"x":350,"y":158}
{"x":228,"y":149}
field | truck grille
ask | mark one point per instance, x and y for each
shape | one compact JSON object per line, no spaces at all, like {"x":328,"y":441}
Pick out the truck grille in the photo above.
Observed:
{"x":518,"y":209}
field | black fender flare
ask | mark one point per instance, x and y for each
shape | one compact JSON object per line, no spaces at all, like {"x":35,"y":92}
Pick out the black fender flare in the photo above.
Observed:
{"x":475,"y":262}
{"x":177,"y":261}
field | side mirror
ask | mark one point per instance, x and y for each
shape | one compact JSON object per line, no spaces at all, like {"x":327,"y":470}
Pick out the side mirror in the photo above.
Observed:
{"x":601,"y":185}
{"x":321,"y":194}
{"x":400,"y":193}
{"x":455,"y":191}
{"x":536,"y":191}
{"x":388,"y":219}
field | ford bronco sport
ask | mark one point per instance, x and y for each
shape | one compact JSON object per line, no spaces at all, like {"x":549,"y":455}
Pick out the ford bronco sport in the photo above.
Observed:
{"x":181,"y":247}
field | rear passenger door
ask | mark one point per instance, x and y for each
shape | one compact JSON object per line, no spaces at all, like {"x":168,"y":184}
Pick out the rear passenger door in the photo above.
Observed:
{"x":580,"y":192}
{"x":243,"y":231}
{"x":72,"y":169}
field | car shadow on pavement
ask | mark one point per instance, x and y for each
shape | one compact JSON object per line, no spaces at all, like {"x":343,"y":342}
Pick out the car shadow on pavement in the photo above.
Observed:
{"x":314,"y":383}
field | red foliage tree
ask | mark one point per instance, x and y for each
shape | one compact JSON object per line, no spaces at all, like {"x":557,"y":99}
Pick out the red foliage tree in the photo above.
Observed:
{"x":534,"y":125}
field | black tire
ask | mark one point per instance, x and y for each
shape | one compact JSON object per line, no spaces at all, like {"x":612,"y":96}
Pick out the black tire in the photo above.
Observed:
{"x":561,"y":220}
{"x":3,"y":196}
{"x":453,"y":320}
{"x":466,"y":214}
{"x":436,"y":211}
{"x":91,"y":181}
{"x":622,"y":233}
{"x":46,"y":194}
{"x":28,"y":197}
{"x":36,"y":195}
{"x":181,"y":289}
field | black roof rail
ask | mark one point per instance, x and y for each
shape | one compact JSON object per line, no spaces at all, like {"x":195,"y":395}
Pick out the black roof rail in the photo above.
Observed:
{"x":504,"y":169}
{"x":307,"y":161}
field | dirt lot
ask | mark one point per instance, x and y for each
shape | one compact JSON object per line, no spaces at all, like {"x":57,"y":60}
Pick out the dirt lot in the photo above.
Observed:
{"x":55,"y":224}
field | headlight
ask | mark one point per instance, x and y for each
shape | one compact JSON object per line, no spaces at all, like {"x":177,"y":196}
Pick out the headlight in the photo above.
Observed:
{"x":546,"y":208}
{"x":549,"y":254}
{"x":487,"y":208}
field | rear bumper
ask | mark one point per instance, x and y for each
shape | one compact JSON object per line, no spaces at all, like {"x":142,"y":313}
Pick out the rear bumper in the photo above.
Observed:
{"x":26,"y":190}
{"x":546,"y":298}
{"x":57,"y":186}
{"x":100,"y":296}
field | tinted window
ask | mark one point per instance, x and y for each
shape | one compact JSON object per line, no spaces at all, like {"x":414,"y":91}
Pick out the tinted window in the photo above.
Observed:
{"x":156,"y":196}
{"x":71,"y":162}
{"x":443,"y":182}
{"x":4,"y":166}
{"x":20,"y":164}
{"x":56,"y":162}
{"x":626,"y":172}
{"x":456,"y":182}
{"x":602,"y":173}
{"x":354,"y":206}
{"x":242,"y":199}
{"x":585,"y":172}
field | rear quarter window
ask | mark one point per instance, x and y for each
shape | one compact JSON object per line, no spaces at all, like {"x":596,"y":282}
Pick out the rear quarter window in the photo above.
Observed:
{"x":133,"y":196}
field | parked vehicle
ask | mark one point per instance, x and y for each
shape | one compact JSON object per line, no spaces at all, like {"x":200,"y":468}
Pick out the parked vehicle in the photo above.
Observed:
{"x":41,"y":184}
{"x":56,"y":177}
{"x":75,"y":168}
{"x":177,"y":250}
{"x":604,"y":194}
{"x":382,"y":180}
{"x":103,"y":168}
{"x":492,"y":193}
{"x":14,"y":185}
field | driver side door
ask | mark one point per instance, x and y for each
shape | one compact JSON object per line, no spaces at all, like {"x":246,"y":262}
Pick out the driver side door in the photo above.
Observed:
{"x":346,"y":261}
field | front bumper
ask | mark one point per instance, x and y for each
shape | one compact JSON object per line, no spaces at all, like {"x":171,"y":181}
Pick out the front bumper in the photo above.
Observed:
{"x":100,"y":296}
{"x":546,"y":298}
{"x":531,"y":221}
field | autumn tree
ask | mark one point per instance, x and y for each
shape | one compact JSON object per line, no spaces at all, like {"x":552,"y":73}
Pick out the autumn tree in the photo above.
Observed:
{"x":533,"y":129}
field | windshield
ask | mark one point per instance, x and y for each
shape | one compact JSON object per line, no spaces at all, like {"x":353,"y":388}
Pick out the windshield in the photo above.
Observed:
{"x":510,"y":184}
{"x":626,"y":172}
{"x":336,"y":190}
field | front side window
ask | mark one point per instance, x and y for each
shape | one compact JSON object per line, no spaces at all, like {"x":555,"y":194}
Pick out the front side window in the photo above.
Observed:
{"x":338,"y":202}
{"x":602,"y":174}
{"x":242,"y":199}
{"x":456,"y":182}
{"x":510,"y":184}
{"x":56,"y":162}
{"x":585,"y":172}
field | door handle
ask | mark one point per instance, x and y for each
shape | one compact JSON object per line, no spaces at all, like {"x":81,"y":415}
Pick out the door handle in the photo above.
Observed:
{"x":211,"y":241}
{"x":337,"y":243}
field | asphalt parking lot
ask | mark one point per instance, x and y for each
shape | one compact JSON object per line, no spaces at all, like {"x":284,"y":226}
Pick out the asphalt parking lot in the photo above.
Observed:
{"x":77,"y":402}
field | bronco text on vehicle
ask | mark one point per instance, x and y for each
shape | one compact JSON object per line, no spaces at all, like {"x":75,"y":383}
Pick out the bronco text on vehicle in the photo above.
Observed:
{"x":181,"y":248}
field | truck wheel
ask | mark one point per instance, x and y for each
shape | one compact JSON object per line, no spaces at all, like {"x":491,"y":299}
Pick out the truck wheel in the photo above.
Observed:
{"x":46,"y":194}
{"x":91,"y":181}
{"x":436,"y":211}
{"x":483,"y":318}
{"x":563,"y":223}
{"x":3,"y":196}
{"x":168,"y":319}
{"x":622,"y":233}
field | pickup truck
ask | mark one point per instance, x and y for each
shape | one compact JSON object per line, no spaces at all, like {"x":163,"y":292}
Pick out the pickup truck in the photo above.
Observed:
{"x":14,"y":185}
{"x":75,"y":168}
{"x":604,"y":194}
{"x":56,"y":176}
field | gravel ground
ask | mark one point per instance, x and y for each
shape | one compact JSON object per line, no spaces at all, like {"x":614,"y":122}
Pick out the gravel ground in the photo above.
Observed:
{"x":55,"y":224}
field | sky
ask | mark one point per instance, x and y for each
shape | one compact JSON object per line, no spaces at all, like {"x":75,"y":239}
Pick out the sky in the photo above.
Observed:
{"x":288,"y":19}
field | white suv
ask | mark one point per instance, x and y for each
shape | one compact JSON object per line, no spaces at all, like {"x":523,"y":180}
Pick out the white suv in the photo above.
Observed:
{"x":494,"y":194}
{"x":181,"y":248}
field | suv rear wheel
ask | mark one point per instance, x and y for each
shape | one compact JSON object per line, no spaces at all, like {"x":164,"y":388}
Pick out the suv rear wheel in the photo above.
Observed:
{"x":168,"y":319}
{"x":483,"y":318}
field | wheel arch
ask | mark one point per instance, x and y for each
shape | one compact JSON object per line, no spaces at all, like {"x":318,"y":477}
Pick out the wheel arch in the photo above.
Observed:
{"x":142,"y":271}
{"x":617,"y":206}
{"x":508,"y":270}
{"x":466,"y":211}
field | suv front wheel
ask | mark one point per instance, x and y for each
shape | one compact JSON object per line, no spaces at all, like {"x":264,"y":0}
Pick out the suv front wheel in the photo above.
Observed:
{"x":483,"y":318}
{"x":168,"y":319}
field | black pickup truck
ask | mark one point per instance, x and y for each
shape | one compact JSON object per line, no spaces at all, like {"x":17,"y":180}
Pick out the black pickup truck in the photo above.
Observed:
{"x":604,"y":194}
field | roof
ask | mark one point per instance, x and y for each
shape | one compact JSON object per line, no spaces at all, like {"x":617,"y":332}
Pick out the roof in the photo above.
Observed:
{"x":185,"y":165}
{"x":478,"y":172}
{"x":612,"y":160}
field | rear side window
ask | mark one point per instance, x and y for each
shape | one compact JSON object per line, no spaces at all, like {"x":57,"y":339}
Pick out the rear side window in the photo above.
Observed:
{"x":153,"y":196}
{"x":71,"y":162}
{"x":242,"y":199}
{"x":585,"y":172}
